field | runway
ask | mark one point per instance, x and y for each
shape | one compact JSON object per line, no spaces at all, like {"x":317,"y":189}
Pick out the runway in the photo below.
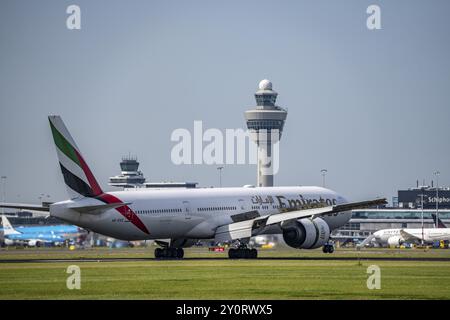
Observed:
{"x":436,"y":259}
{"x":134,"y":273}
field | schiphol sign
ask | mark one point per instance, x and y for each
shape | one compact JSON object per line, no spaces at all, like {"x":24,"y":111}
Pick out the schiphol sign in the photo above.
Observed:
{"x":441,"y":200}
{"x":430,"y":199}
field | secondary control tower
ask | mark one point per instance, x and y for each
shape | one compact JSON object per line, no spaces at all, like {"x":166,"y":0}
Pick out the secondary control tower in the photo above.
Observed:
{"x":265,"y":123}
{"x":130,"y":176}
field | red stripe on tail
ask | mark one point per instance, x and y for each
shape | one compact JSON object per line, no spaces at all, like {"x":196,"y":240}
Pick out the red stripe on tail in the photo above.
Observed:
{"x":92,"y":181}
{"x":125,"y":211}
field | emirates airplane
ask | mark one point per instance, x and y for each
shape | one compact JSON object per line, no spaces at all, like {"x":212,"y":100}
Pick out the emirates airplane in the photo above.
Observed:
{"x":176,"y":219}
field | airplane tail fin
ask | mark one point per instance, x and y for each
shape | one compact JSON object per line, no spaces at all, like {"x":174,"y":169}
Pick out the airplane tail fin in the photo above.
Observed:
{"x":7,"y":227}
{"x":78,"y":177}
{"x":439,"y":222}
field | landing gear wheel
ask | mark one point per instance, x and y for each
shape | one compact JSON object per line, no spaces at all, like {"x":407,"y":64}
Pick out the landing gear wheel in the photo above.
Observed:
{"x":328,"y":248}
{"x":169,"y":253}
{"x":180,"y":253}
{"x":242,"y":253}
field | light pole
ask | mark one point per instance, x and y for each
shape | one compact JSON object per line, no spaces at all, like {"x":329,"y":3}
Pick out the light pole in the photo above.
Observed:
{"x":220,"y":176}
{"x":324,"y":172}
{"x":421,"y":205}
{"x":437,"y":173}
{"x":4,"y":190}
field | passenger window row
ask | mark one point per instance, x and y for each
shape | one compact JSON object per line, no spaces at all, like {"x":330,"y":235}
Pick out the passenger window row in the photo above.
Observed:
{"x":262,"y":207}
{"x":216,"y":208}
{"x":159,"y":211}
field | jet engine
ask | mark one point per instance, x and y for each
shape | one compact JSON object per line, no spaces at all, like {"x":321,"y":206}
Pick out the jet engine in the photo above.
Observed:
{"x":9,"y":242}
{"x":306,"y":233}
{"x":394,"y":241}
{"x":34,"y":243}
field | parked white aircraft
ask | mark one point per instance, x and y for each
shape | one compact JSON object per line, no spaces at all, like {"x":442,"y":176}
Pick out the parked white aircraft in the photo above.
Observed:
{"x":305,"y":216}
{"x":396,"y":237}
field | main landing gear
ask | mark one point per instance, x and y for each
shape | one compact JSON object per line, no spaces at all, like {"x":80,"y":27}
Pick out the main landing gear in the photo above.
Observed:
{"x":169,"y":253}
{"x":328,"y":248}
{"x":242,"y":252}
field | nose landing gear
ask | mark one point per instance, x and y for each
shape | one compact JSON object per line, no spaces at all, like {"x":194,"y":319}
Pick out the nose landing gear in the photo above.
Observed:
{"x":169,"y":253}
{"x":328,"y":248}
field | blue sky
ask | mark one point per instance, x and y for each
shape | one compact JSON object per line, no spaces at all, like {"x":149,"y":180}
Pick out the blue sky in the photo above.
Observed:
{"x":370,"y":106}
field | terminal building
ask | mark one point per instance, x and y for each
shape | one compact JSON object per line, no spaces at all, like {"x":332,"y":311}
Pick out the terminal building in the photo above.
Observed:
{"x":406,"y":212}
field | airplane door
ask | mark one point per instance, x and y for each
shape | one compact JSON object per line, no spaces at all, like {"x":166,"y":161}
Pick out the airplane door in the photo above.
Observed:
{"x":187,"y":209}
{"x":242,"y":205}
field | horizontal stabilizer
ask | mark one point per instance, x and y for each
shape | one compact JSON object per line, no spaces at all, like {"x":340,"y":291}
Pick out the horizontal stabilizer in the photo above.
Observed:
{"x":97,"y":208}
{"x":25,"y":206}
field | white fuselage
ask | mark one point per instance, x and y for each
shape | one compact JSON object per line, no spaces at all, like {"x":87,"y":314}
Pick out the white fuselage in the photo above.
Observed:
{"x":195,"y":213}
{"x":428,"y":234}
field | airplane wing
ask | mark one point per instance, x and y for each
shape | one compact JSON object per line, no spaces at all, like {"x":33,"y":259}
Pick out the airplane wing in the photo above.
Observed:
{"x":251,"y":227}
{"x":25,"y":206}
{"x":408,"y":236}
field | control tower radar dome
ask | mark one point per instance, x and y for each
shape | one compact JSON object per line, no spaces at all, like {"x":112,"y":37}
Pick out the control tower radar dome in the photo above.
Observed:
{"x":265,"y":85}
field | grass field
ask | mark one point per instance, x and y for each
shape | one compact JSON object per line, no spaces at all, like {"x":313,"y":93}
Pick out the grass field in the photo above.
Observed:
{"x":221,"y":278}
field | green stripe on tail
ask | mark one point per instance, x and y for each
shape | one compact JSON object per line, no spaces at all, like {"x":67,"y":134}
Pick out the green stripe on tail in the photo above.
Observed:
{"x":63,"y":145}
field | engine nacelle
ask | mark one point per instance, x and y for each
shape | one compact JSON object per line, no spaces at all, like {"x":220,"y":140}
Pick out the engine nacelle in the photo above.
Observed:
{"x":9,"y":242}
{"x":306,"y":233}
{"x":394,"y":241}
{"x":34,"y":243}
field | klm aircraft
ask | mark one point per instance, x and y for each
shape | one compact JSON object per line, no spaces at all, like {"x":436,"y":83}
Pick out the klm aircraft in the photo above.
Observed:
{"x":37,"y":236}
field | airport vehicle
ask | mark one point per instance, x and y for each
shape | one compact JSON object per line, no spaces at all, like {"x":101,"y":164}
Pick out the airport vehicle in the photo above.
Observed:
{"x":37,"y":236}
{"x":397,"y":237}
{"x":305,"y":216}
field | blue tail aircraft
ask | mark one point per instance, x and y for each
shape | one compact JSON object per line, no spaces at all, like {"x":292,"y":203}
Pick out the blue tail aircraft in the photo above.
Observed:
{"x":37,"y":236}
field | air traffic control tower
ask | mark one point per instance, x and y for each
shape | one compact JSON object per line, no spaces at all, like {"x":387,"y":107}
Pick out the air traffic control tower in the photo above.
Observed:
{"x":261,"y":121}
{"x":130,"y":177}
